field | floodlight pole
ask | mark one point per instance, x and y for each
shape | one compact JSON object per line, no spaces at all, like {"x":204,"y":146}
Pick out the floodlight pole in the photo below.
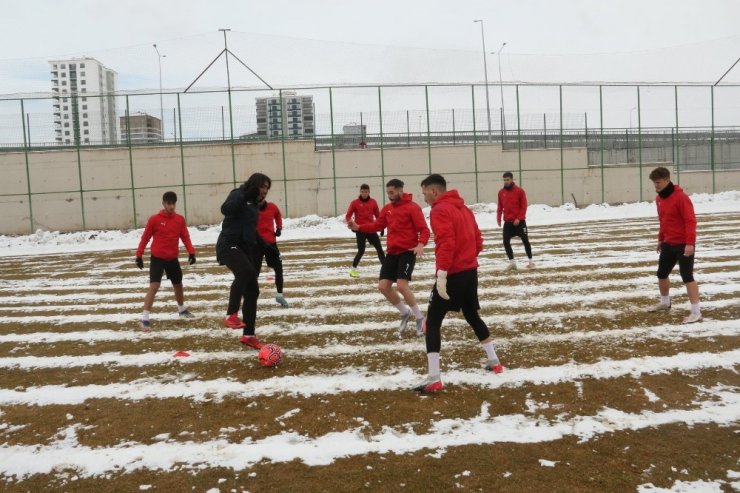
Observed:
{"x":161,"y":106}
{"x":501,"y":91}
{"x":485,"y":74}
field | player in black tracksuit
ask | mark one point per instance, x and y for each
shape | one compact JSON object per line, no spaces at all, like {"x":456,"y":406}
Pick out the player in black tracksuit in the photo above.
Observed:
{"x":236,"y":248}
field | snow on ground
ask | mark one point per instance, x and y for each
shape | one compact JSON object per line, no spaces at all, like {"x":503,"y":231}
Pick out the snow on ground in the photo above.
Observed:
{"x":315,"y":227}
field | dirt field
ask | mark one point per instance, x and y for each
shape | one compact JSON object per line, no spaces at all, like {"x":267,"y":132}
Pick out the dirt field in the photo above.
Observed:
{"x":597,"y":395}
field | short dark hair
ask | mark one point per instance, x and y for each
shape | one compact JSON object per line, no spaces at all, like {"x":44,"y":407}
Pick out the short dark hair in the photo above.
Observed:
{"x":660,"y":173}
{"x":509,"y":174}
{"x":435,"y":180}
{"x":364,"y":186}
{"x":395,"y":183}
{"x":257,"y":180}
{"x":169,"y":197}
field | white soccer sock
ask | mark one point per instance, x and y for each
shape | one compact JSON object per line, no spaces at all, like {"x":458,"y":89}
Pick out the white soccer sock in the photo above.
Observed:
{"x":490,"y":352}
{"x":145,"y":315}
{"x":180,"y":308}
{"x":433,"y":362}
{"x":402,"y":308}
{"x":665,"y":300}
{"x":695,"y":309}
{"x":417,"y":312}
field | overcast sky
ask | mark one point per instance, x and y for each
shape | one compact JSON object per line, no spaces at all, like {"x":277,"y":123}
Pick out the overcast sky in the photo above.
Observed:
{"x":700,"y":39}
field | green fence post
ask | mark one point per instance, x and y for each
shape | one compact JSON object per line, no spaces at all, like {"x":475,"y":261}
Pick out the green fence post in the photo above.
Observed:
{"x":130,"y":159}
{"x":639,"y":140}
{"x":475,"y":146}
{"x":182,"y":162}
{"x":79,"y":175}
{"x":429,"y":134}
{"x":601,"y":137}
{"x":382,"y":147}
{"x":678,"y":136}
{"x":562,"y":166}
{"x":28,"y":172}
{"x":284,"y":125}
{"x":333,"y":156}
{"x":711,"y":143}
{"x":408,"y":128}
{"x":453,"y":127}
{"x":519,"y":135}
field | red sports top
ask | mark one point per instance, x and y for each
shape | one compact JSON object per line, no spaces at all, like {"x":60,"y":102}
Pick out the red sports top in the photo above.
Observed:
{"x":405,"y":223}
{"x":513,"y":203}
{"x":269,"y":220}
{"x":457,"y":239}
{"x":677,"y":218}
{"x":167,"y":230}
{"x":365,"y":211}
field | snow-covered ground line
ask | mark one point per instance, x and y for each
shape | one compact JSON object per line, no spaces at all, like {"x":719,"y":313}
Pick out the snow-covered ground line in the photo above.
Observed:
{"x":315,"y":227}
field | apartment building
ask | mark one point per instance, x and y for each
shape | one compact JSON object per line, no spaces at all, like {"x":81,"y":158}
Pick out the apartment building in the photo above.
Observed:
{"x":298,"y":112}
{"x":84,"y":105}
{"x":144,"y":128}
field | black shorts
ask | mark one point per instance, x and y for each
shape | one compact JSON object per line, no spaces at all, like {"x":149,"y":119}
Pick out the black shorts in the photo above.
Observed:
{"x":669,"y":255}
{"x":511,"y":231}
{"x":399,"y":266}
{"x":172,"y":267}
{"x":462,"y":287}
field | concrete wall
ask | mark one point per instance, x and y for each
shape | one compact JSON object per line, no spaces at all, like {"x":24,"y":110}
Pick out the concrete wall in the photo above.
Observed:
{"x":101,"y":188}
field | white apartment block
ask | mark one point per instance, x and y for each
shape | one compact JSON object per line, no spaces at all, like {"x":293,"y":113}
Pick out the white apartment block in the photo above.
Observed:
{"x":84,"y":102}
{"x":298,"y":111}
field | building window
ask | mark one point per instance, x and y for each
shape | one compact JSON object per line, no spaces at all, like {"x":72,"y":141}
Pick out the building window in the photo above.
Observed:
{"x":64,"y":66}
{"x":84,"y":106}
{"x":55,"y":66}
{"x":84,"y":124}
{"x":82,"y":65}
{"x":66,"y":124}
{"x":86,"y":132}
{"x":66,"y":132}
{"x":84,"y":115}
{"x":64,"y":82}
{"x":65,"y":108}
{"x":66,"y":117}
{"x":84,"y":99}
{"x":82,"y":82}
{"x":64,"y":100}
{"x":84,"y":90}
{"x":64,"y":75}
{"x":87,"y":141}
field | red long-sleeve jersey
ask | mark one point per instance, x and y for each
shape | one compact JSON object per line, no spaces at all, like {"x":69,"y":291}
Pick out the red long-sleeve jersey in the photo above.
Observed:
{"x":365,"y":211}
{"x":677,"y":218}
{"x":167,"y":230}
{"x":269,"y":220}
{"x":405,"y":224}
{"x":457,"y":238}
{"x":512,"y":202}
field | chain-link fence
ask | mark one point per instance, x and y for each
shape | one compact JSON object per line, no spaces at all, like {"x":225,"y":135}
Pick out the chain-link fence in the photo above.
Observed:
{"x":690,"y":127}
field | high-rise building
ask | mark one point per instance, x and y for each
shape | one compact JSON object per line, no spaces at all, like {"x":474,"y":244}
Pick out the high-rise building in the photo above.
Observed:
{"x":84,"y":102}
{"x":144,"y":128}
{"x":298,"y":111}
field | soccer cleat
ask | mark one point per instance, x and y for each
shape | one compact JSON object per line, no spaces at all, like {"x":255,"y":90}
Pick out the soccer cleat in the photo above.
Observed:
{"x":511,"y":265}
{"x":233,"y":322}
{"x":530,"y":265}
{"x":432,"y":383}
{"x":659,"y":307}
{"x":281,"y":299}
{"x":494,"y":365}
{"x":354,"y":273}
{"x":145,"y":325}
{"x":186,"y":314}
{"x":692,"y":318}
{"x":404,"y":322}
{"x":421,"y":326}
{"x":251,"y":341}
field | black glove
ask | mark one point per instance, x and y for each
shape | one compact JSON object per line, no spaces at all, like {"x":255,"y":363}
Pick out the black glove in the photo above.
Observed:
{"x":278,"y":232}
{"x":139,"y":262}
{"x":382,"y":232}
{"x":191,"y":259}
